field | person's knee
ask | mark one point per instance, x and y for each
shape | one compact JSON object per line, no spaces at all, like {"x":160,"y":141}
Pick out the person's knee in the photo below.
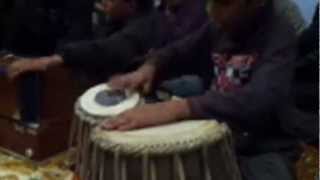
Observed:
{"x":266,"y":167}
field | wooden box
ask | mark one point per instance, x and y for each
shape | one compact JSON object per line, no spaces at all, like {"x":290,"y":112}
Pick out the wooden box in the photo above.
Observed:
{"x":56,"y":98}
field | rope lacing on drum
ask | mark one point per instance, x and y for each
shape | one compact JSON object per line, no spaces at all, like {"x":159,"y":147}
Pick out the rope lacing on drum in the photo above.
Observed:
{"x":102,"y":166}
{"x":207,"y":171}
{"x":84,"y":152}
{"x":73,"y":132}
{"x":145,"y":167}
{"x":153,"y":170}
{"x":79,"y":146}
{"x":228,"y":142}
{"x":179,"y":166}
{"x":116,"y":165}
{"x":94,"y":162}
{"x":123,"y":169}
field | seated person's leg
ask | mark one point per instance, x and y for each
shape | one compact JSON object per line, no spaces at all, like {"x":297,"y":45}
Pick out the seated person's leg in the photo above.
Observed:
{"x":29,"y":100}
{"x":270,"y":166}
{"x":185,"y":86}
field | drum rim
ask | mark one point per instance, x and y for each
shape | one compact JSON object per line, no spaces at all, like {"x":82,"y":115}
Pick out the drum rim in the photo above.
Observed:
{"x":208,"y":133}
{"x":89,"y":117}
{"x":86,"y":117}
{"x":130,"y":102}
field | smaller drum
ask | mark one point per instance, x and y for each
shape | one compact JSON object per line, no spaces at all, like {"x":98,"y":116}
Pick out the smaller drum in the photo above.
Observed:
{"x":95,"y":105}
{"x":190,"y":150}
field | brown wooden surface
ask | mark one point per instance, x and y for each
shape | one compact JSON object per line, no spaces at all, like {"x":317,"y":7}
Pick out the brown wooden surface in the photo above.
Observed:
{"x":56,"y":113}
{"x":8,"y":102}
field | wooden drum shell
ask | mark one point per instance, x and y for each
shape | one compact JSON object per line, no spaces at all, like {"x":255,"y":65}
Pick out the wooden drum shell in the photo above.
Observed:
{"x":216,"y":162}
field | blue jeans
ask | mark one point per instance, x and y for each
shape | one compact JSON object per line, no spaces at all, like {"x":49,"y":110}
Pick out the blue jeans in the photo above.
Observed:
{"x":29,"y":94}
{"x":271,"y":166}
{"x":185,"y":86}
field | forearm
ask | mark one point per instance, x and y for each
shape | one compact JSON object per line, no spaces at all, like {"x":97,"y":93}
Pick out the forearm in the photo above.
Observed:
{"x":23,"y":65}
{"x":250,"y":105}
{"x":56,"y":60}
{"x":52,"y":61}
{"x":178,"y":109}
{"x":183,"y":109}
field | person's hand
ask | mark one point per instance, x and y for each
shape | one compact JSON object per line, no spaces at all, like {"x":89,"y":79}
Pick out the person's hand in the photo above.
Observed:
{"x":7,"y":59}
{"x":103,"y":6}
{"x":141,"y":80}
{"x":149,"y":115}
{"x":24,"y":65}
{"x":99,"y":6}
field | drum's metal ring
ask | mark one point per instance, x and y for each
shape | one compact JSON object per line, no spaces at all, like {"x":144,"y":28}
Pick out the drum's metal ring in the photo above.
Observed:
{"x":86,"y":117}
{"x":88,"y":102}
{"x":209,"y":132}
{"x":92,"y":119}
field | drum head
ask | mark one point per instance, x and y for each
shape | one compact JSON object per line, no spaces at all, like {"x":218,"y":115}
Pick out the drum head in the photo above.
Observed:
{"x":102,"y":101}
{"x":166,"y":139}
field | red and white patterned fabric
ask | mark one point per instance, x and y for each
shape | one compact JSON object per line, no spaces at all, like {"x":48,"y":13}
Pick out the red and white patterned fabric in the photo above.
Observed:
{"x":231,"y":71}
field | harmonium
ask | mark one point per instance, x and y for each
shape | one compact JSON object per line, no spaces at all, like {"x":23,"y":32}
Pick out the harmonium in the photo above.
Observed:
{"x":45,"y":97}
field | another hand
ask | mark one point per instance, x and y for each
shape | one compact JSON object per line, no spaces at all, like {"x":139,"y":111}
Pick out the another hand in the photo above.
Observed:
{"x":103,"y":7}
{"x":141,"y":80}
{"x":99,"y":6}
{"x":7,"y":59}
{"x":25,"y":65}
{"x":150,"y":115}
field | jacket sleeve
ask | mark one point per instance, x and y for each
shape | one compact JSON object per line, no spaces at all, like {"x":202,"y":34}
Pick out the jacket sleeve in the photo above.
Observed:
{"x":248,"y":106}
{"x":180,"y":57}
{"x":116,"y":49}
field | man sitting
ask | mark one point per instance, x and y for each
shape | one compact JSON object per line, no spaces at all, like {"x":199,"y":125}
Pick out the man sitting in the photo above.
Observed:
{"x":138,"y":29}
{"x":245,"y":57}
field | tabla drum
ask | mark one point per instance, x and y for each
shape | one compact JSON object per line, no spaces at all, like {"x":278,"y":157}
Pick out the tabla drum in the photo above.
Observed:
{"x":190,"y":150}
{"x":95,"y":105}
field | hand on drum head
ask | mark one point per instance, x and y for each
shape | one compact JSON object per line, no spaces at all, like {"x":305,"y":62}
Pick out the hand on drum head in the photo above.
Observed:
{"x":140,"y":80}
{"x":149,"y":115}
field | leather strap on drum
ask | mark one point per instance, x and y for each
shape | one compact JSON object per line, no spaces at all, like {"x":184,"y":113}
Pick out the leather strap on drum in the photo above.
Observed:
{"x":207,"y":171}
{"x":179,"y":167}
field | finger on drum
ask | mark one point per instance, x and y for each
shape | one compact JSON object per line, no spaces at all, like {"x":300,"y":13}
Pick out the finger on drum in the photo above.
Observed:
{"x":9,"y":57}
{"x":119,"y":82}
{"x":132,"y":85}
{"x":107,"y":125}
{"x":128,"y":126}
{"x":114,"y":124}
{"x":147,"y":88}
